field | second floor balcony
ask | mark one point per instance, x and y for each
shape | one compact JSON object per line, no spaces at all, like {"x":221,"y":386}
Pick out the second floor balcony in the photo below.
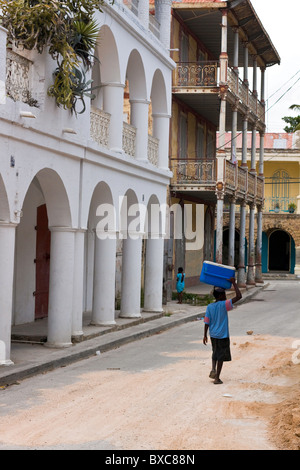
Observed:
{"x":198,"y":82}
{"x":201,"y":177}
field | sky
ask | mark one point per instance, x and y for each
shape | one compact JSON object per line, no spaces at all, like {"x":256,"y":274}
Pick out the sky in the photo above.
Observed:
{"x":281,"y":20}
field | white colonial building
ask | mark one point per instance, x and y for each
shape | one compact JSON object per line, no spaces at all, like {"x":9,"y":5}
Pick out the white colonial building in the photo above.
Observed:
{"x":60,"y":174}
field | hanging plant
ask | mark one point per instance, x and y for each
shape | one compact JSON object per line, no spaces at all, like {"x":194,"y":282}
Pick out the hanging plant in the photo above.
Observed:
{"x":68,"y":30}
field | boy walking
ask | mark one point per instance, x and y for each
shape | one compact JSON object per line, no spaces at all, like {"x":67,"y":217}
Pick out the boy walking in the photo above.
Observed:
{"x":216,"y":320}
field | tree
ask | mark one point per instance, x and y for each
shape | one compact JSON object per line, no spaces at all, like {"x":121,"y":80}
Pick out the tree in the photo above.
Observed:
{"x":294,"y":122}
{"x":68,"y":30}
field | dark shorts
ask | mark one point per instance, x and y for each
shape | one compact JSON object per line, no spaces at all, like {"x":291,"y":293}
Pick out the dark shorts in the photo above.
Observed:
{"x":221,"y":349}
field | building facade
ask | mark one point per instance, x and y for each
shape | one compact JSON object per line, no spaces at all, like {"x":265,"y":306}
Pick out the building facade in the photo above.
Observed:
{"x":281,"y":209}
{"x":70,"y":185}
{"x":222,"y":52}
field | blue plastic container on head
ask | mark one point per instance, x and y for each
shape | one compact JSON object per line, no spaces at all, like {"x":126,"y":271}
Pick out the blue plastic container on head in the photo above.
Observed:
{"x":217,"y":274}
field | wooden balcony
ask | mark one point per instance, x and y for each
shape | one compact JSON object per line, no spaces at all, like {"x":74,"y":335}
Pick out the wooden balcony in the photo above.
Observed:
{"x":198,"y":84}
{"x":199,"y":178}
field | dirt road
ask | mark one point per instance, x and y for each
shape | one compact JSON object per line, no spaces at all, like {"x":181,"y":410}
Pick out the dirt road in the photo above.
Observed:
{"x":170,"y":404}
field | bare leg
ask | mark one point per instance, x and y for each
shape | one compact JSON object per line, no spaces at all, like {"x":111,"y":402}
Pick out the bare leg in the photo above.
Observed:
{"x":219,"y":368}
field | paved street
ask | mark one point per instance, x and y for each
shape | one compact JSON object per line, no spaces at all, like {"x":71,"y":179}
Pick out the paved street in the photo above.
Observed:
{"x":155,"y":393}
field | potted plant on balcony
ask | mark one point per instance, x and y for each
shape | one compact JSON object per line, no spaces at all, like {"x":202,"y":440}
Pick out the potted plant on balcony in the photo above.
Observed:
{"x":292,"y":207}
{"x":277,"y":207}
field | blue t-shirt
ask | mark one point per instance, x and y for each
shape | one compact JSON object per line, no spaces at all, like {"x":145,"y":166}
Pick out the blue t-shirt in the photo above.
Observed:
{"x":217,"y":318}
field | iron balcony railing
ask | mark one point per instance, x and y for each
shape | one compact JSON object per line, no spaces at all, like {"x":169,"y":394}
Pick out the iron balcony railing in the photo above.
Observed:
{"x":203,"y":173}
{"x":206,"y":74}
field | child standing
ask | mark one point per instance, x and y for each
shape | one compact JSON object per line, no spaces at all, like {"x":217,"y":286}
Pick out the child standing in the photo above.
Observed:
{"x":216,"y":320}
{"x":180,"y":284}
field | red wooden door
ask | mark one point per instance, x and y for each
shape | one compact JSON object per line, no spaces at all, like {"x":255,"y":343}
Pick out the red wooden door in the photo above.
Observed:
{"x":42,"y":261}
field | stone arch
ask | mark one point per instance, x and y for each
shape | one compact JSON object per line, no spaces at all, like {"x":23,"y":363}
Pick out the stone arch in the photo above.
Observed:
{"x":107,"y":62}
{"x":45,"y":191}
{"x":159,"y":94}
{"x":136,"y":76}
{"x":281,"y":251}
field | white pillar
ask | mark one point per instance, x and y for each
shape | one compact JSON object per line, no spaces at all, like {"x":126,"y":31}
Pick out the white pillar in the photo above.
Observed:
{"x":61,"y":287}
{"x":153,"y":286}
{"x":77,"y":331}
{"x":113,"y":100}
{"x":246,"y":63}
{"x":258,"y":261}
{"x":231,"y":233}
{"x":143,"y":13}
{"x":163,"y":16}
{"x":161,"y":130}
{"x":139,"y":119}
{"x":251,"y":254}
{"x":104,"y":279}
{"x":7,"y":254}
{"x":241,"y":267}
{"x":3,"y":38}
{"x":219,"y":229}
{"x":236,"y":49}
{"x":255,"y":75}
{"x":131,"y":277}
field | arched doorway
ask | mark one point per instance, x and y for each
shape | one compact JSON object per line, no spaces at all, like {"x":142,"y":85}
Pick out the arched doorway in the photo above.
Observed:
{"x":279,"y":251}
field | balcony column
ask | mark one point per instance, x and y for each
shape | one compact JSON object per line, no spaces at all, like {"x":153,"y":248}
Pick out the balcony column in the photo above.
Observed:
{"x":236,"y":50}
{"x":161,"y":127}
{"x":244,"y":141}
{"x":261,"y":154}
{"x":251,"y":256}
{"x":253,"y":150}
{"x":231,"y":233}
{"x":258,"y":267}
{"x":131,"y":276}
{"x":262,"y":86}
{"x":139,"y":119}
{"x":61,"y":287}
{"x":234,"y":134}
{"x":7,"y":256}
{"x":224,"y":55}
{"x":163,"y":16}
{"x":241,"y":266}
{"x":113,"y":99}
{"x":246,"y":63}
{"x":254,"y":75}
{"x":143,"y":13}
{"x":104,"y":279}
{"x":219,"y":228}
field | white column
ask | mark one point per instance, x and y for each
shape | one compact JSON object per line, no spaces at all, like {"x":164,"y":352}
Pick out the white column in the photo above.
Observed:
{"x":77,"y":331}
{"x":113,"y":100}
{"x":61,"y":287}
{"x":3,"y":38}
{"x":161,"y":130}
{"x":7,"y":254}
{"x":258,"y":261}
{"x":236,"y":49}
{"x":255,"y":75}
{"x":262,"y":85}
{"x":143,"y":13}
{"x":163,"y":16}
{"x":241,"y":267}
{"x":104,"y":279}
{"x":154,"y":275}
{"x":131,"y":277}
{"x":251,"y":254}
{"x":253,"y":150}
{"x":139,"y":119}
{"x":231,"y":233}
{"x":219,"y":229}
{"x":246,"y":63}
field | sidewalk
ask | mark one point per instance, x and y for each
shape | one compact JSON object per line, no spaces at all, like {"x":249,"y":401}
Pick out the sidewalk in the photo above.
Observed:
{"x":31,"y":357}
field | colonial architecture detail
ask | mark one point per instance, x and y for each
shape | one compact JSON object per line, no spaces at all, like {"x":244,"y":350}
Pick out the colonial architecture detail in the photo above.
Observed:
{"x":62,"y":175}
{"x":218,"y":44}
